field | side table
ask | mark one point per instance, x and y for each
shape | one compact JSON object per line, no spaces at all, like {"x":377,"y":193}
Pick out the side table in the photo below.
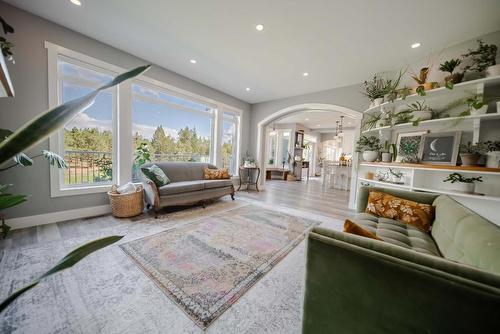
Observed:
{"x":249,"y":180}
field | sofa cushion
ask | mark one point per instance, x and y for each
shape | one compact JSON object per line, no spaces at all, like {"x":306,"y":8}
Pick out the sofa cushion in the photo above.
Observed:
{"x":216,"y":174}
{"x":397,"y":233}
{"x":155,"y":174}
{"x":209,"y":184}
{"x":403,"y":210}
{"x":466,"y":237}
{"x":182,"y":171}
{"x":353,"y":228}
{"x":181,"y":187}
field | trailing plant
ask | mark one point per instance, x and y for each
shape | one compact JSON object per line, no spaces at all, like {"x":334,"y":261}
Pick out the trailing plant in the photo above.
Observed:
{"x":469,"y":148}
{"x":29,"y":134}
{"x":402,"y":117}
{"x":450,"y":65}
{"x":370,"y":143}
{"x":456,"y":177}
{"x":5,"y":45}
{"x":371,"y":121}
{"x":481,"y":58}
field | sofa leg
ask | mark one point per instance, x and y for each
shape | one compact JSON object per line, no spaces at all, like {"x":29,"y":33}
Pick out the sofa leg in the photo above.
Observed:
{"x":232,"y":196}
{"x":156,"y":213}
{"x":203,"y":204}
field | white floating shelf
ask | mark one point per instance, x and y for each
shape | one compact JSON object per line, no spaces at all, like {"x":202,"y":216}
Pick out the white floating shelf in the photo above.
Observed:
{"x":437,"y":92}
{"x":464,"y":169}
{"x":387,"y":184}
{"x":490,"y":116}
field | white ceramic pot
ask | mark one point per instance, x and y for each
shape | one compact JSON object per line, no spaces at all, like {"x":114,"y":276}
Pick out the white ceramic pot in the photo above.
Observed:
{"x":464,"y":187}
{"x":423,"y":115}
{"x":378,"y":101}
{"x":370,"y":156}
{"x":493,"y":71}
{"x":386,"y":157}
{"x":480,"y":111}
{"x":493,"y":159}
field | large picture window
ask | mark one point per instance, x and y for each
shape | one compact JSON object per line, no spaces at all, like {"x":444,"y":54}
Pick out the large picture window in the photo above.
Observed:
{"x":102,"y":143}
{"x":88,"y":138}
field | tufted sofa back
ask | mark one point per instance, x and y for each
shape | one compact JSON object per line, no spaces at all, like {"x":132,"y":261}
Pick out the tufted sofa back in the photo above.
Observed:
{"x":465,"y":236}
{"x":182,"y":171}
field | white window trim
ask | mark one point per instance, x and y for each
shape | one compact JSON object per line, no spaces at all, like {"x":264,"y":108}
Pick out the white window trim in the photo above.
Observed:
{"x":122,"y":134}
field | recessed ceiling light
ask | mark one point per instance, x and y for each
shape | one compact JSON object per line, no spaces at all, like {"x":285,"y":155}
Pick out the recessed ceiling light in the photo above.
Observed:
{"x":305,"y":74}
{"x":247,"y":89}
{"x":318,"y":124}
{"x":259,"y":27}
{"x":307,"y":119}
{"x":415,"y":45}
{"x":76,"y":2}
{"x":192,"y":61}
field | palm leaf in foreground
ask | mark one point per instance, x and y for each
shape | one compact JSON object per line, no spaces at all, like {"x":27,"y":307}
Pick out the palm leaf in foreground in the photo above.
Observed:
{"x":42,"y":126}
{"x":68,"y":261}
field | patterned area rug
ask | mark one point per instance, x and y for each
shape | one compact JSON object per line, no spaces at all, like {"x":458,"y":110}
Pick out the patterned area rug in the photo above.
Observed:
{"x":205,"y":266}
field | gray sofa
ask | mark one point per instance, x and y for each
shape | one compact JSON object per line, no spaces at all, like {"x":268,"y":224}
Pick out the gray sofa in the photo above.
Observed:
{"x":187,"y":186}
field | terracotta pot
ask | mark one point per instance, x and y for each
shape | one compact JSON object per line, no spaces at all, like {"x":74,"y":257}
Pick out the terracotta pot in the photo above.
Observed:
{"x":455,"y":77}
{"x":469,"y":159}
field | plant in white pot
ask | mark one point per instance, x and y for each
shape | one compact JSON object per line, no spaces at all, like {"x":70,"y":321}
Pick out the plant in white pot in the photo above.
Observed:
{"x":369,"y":146}
{"x":419,"y":111}
{"x":477,"y":106}
{"x":463,"y":184}
{"x":481,"y":61}
{"x":470,"y":153}
{"x":378,"y":87}
{"x":493,"y":155}
{"x":387,"y":155}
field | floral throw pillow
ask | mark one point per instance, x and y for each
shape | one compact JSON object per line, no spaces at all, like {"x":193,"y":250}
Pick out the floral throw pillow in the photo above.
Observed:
{"x":214,"y":174}
{"x":156,"y":174}
{"x":403,"y":210}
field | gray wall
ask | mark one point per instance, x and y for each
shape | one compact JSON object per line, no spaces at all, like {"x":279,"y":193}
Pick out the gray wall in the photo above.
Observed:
{"x":29,"y":76}
{"x":350,"y":96}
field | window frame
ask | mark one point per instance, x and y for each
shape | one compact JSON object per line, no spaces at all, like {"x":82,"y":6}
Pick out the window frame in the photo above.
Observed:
{"x":236,"y":120}
{"x":122,"y":120}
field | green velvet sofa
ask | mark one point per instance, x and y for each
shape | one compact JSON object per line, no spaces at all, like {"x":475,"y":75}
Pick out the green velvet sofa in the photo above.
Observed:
{"x":412,"y":282}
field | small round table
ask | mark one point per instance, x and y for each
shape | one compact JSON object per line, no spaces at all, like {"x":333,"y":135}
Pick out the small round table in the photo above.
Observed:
{"x":248,"y":181}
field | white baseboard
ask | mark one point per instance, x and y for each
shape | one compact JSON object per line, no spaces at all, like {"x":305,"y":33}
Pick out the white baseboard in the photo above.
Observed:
{"x":58,"y":216}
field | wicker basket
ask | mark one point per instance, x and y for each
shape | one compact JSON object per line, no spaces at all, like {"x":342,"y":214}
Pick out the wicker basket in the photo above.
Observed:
{"x":126,"y":205}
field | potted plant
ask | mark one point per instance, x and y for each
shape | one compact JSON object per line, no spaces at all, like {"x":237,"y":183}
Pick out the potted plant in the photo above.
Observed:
{"x":369,"y":146}
{"x":450,"y":66}
{"x":375,"y":90}
{"x":481,"y":60}
{"x":470,"y":153}
{"x":463,"y":184}
{"x":477,"y":106}
{"x":493,"y":155}
{"x":419,"y":111}
{"x":387,"y":155}
{"x":421,"y":80}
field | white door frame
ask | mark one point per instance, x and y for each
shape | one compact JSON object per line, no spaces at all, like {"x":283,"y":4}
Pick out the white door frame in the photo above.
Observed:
{"x":261,"y":136}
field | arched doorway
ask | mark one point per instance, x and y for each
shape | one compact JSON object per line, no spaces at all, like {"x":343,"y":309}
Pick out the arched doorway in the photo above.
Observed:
{"x":261,"y":133}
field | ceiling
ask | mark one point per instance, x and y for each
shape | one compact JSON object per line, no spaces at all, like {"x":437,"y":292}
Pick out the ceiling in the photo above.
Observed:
{"x":318,"y":119}
{"x":337,"y":42}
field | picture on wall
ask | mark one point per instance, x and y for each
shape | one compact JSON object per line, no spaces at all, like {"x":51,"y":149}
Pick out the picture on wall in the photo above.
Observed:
{"x":440,"y":148}
{"x":408,"y":145}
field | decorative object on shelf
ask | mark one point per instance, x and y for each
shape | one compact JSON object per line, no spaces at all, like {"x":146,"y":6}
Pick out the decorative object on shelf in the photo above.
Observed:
{"x":370,"y":175}
{"x":421,"y":80}
{"x":378,"y":87}
{"x":419,"y":112}
{"x":370,"y":146}
{"x":481,"y":60}
{"x":6,"y":87}
{"x":493,"y":155}
{"x":386,"y":118}
{"x":470,"y":153}
{"x":477,"y":104}
{"x":395,"y":177}
{"x":463,"y":184}
{"x":387,"y":155}
{"x":440,"y":148}
{"x":408,"y":145}
{"x":450,"y":66}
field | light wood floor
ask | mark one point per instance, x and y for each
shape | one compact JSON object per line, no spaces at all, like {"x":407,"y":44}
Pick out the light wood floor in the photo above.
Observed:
{"x":303,"y":195}
{"x":308,"y":196}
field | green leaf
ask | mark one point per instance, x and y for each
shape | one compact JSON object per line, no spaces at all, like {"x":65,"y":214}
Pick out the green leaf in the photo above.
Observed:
{"x":23,"y":159}
{"x":449,"y":84}
{"x":4,"y":133}
{"x":421,"y":90}
{"x":42,"y":126}
{"x":54,"y":159}
{"x":9,"y":200}
{"x":68,"y":261}
{"x":416,"y":122}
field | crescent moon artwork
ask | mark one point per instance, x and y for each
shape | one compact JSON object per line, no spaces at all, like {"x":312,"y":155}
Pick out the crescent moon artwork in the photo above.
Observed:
{"x":433,"y":145}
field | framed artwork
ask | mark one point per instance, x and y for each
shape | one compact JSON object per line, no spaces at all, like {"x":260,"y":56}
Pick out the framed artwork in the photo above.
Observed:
{"x":440,"y":148}
{"x":411,"y":140}
{"x":299,"y":139}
